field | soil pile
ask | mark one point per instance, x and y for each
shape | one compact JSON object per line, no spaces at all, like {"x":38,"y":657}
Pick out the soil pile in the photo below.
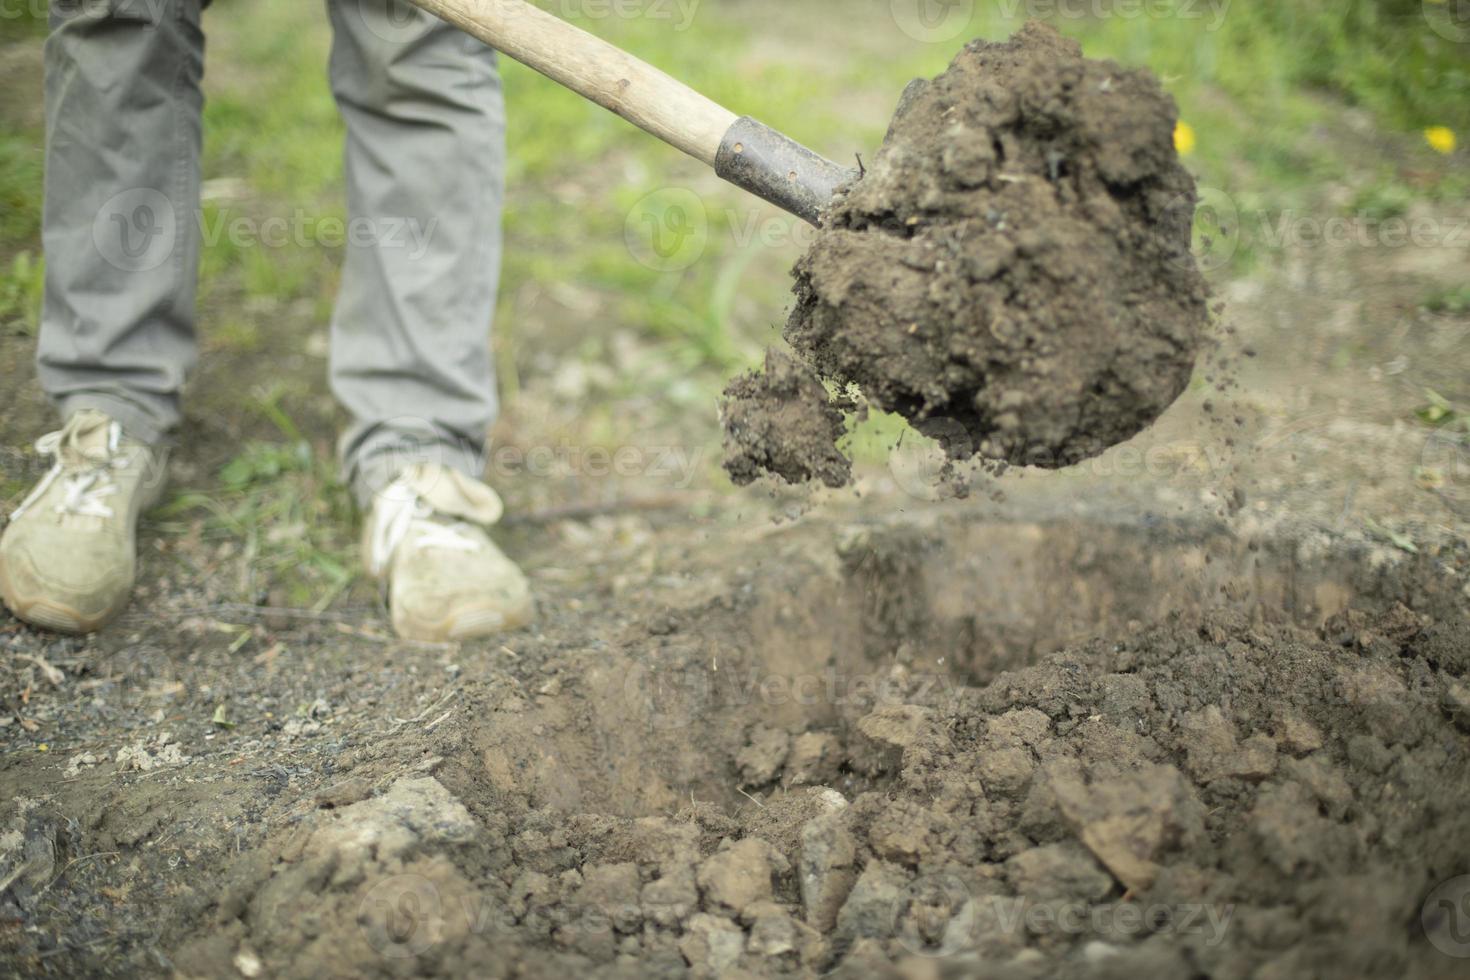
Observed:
{"x":1015,"y":260}
{"x":1221,"y":800}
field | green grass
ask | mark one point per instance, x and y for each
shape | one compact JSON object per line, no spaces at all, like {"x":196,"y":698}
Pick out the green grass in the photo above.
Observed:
{"x":21,"y":286}
{"x":281,"y":509}
{"x":1454,"y":300}
{"x":1441,"y":413}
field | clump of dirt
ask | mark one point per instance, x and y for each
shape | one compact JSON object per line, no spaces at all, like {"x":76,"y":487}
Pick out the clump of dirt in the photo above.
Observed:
{"x":1012,"y":274}
{"x":781,"y":421}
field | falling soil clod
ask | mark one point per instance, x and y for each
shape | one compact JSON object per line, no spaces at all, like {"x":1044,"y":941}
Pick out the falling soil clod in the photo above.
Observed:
{"x":1013,"y":273}
{"x":780,"y":421}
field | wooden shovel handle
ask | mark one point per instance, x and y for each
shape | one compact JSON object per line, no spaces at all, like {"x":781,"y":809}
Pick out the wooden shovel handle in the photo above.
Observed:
{"x":594,"y":69}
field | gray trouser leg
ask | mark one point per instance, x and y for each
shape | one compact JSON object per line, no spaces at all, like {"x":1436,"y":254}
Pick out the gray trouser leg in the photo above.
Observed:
{"x":425,"y":165}
{"x":122,"y":190}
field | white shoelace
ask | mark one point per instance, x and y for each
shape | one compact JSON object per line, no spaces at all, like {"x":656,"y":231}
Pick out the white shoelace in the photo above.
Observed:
{"x":401,"y":515}
{"x":81,"y":493}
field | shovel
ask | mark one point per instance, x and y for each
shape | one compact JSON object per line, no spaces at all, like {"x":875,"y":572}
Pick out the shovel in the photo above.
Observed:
{"x":741,"y":150}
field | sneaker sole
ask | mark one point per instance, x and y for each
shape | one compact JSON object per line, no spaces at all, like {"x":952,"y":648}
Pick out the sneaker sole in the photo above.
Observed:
{"x":48,"y":614}
{"x":468,"y":625}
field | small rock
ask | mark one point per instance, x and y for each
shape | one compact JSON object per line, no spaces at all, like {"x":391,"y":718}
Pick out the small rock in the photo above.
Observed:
{"x":1457,"y":703}
{"x":759,"y":761}
{"x":814,"y":760}
{"x":826,"y":869}
{"x":138,"y":757}
{"x":1213,"y":753}
{"x":1063,"y":871}
{"x":872,"y":906}
{"x":1023,"y":726}
{"x":1297,"y":735}
{"x":1097,"y":951}
{"x":772,"y":931}
{"x":735,"y":877}
{"x":670,"y":899}
{"x":900,"y":833}
{"x":881,"y":737}
{"x":614,"y":890}
{"x":1006,"y":773}
{"x":712,"y":943}
{"x":1129,"y":820}
{"x":830,"y":800}
{"x":247,"y":963}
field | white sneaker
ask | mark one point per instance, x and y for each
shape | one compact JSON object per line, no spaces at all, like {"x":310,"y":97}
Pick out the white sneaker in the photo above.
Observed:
{"x":68,"y":557}
{"x":446,"y":579}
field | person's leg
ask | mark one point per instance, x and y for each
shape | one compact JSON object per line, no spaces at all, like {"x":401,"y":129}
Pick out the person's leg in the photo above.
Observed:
{"x":425,"y":161}
{"x":117,"y":329}
{"x":120,"y":232}
{"x":425,"y":168}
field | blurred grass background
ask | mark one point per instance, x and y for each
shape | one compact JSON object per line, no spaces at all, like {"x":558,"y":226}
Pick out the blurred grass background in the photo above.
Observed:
{"x":1317,"y":105}
{"x":1264,"y":88}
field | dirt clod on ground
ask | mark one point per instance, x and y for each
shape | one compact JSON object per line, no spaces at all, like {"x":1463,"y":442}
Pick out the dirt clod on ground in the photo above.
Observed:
{"x":1012,"y":274}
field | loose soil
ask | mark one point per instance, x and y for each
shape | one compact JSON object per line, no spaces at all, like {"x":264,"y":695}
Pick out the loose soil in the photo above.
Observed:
{"x":825,"y":748}
{"x":1012,"y":274}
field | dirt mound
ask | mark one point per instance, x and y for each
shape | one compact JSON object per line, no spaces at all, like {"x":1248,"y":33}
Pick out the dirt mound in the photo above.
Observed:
{"x":1219,"y":800}
{"x":1012,"y":274}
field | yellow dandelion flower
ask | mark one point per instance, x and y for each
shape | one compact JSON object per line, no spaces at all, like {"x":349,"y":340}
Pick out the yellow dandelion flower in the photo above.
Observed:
{"x":1184,"y":138}
{"x":1442,"y":138}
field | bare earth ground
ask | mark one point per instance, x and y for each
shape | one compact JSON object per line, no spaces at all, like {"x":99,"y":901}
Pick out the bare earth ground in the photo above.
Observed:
{"x":1200,"y":707}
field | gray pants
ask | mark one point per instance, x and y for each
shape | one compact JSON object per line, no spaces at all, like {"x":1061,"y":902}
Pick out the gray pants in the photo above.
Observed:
{"x":425,"y":152}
